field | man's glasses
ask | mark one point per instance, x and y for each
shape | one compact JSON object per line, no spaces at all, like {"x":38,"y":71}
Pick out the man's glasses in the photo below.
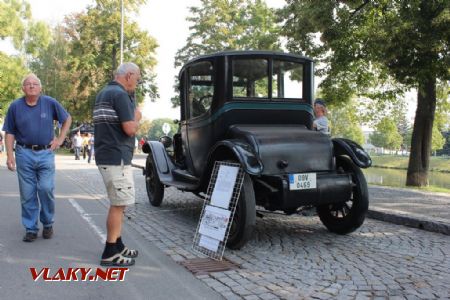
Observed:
{"x":31,"y":84}
{"x":139,"y":81}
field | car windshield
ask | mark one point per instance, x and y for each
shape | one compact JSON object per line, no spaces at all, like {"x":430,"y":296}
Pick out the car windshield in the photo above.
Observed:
{"x":251,"y":79}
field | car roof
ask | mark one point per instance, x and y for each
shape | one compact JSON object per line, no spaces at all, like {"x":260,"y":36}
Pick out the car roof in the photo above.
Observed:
{"x":278,"y":54}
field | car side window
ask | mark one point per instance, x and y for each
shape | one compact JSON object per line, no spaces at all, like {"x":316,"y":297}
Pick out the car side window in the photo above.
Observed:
{"x":287,"y":80}
{"x":200,"y":88}
{"x":250,"y":78}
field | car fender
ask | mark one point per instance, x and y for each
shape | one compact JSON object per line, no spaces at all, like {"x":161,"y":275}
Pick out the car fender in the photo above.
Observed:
{"x":241,"y":150}
{"x":348,"y":147}
{"x":164,"y":165}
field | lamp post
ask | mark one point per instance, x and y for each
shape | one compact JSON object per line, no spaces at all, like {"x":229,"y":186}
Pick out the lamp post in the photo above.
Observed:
{"x":121,"y":32}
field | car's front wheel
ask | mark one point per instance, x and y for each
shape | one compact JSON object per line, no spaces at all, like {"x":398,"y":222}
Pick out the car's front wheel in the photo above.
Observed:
{"x":349,"y":215}
{"x":244,"y":218}
{"x":155,"y":189}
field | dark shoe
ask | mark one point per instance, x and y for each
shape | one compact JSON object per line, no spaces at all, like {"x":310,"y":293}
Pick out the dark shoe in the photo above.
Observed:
{"x":30,"y":237}
{"x":47,"y":233}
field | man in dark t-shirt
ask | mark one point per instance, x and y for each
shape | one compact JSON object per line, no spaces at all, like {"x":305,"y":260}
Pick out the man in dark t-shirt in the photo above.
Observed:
{"x":116,"y":121}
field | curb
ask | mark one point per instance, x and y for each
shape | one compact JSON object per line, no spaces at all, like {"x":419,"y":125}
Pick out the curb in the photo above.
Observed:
{"x":427,"y":225}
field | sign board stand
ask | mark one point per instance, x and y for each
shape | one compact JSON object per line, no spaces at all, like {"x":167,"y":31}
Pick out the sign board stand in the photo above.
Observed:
{"x":218,"y":209}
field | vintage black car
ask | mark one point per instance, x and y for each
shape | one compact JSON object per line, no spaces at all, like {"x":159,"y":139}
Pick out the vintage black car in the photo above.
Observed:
{"x":255,"y":108}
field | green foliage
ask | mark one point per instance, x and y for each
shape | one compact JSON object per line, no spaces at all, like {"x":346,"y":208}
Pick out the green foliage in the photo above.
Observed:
{"x":155,"y":131}
{"x":363,"y":46}
{"x":398,"y":113}
{"x":12,"y":71}
{"x":50,"y":67}
{"x":386,"y":135}
{"x":442,"y":117}
{"x":219,"y":25}
{"x":401,"y":162}
{"x":13,"y":17}
{"x":38,"y":38}
{"x":144,"y":128}
{"x":94,"y":53}
{"x":77,"y":58}
{"x":344,"y":122}
{"x":437,"y":140}
{"x":376,"y":49}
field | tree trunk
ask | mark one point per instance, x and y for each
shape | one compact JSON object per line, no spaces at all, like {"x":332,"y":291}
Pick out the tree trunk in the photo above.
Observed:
{"x":419,"y":158}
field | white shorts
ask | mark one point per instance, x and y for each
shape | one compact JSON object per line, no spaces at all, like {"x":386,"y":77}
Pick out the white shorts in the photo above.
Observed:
{"x":119,"y":184}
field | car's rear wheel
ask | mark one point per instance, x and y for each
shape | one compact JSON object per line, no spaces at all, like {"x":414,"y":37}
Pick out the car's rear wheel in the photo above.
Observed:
{"x":155,"y":189}
{"x":244,"y":218}
{"x":349,"y":215}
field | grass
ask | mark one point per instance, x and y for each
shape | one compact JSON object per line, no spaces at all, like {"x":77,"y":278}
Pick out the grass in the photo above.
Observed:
{"x":438,"y":164}
{"x":64,"y":151}
{"x":430,"y":188}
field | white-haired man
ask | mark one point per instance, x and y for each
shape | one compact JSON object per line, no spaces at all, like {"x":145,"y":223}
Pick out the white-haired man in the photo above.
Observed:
{"x":30,"y":123}
{"x":116,"y":121}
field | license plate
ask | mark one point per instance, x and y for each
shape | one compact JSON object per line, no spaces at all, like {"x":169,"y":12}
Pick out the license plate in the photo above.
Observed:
{"x":302,"y":181}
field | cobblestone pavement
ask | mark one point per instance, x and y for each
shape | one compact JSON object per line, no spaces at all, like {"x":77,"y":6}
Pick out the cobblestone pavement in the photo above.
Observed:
{"x":295,"y":257}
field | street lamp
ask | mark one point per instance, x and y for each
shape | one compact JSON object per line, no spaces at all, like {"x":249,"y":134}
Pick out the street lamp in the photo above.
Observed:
{"x":121,"y":32}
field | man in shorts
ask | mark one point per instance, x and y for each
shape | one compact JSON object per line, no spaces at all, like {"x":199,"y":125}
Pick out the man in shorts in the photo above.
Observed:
{"x":116,"y":121}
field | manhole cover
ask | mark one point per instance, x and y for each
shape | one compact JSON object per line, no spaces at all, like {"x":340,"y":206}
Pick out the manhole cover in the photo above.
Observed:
{"x":202,"y":266}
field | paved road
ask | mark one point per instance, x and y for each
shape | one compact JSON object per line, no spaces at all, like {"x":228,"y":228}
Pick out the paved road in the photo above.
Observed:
{"x":289,"y":257}
{"x":78,"y":243}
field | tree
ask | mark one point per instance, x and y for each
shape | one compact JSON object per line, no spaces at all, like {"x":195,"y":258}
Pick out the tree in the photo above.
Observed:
{"x":14,"y":15}
{"x":386,"y":135}
{"x":144,"y":129}
{"x":50,"y":66}
{"x":12,"y":71}
{"x":219,"y":25}
{"x":229,"y":25}
{"x":94,"y":50}
{"x":155,"y":131}
{"x":378,"y":49}
{"x":437,"y":140}
{"x":344,"y":122}
{"x":398,"y":113}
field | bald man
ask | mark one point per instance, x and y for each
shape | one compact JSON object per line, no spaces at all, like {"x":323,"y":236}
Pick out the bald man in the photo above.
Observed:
{"x":116,"y":121}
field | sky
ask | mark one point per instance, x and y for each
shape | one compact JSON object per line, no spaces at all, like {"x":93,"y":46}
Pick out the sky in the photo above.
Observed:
{"x":164,"y":20}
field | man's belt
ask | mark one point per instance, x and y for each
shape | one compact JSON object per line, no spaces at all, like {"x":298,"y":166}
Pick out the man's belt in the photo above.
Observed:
{"x":34,"y":147}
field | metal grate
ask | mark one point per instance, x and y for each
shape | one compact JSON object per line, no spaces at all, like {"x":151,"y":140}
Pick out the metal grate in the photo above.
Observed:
{"x":204,"y":266}
{"x":217,"y":255}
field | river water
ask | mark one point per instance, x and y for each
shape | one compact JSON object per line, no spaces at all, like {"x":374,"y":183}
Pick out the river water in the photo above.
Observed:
{"x":394,"y":177}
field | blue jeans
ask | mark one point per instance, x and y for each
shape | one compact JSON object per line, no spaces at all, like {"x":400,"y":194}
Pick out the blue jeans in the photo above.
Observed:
{"x":36,"y":173}
{"x":77,"y":152}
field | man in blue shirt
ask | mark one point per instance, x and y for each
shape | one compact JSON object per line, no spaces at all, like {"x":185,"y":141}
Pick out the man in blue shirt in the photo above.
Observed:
{"x":116,"y":121}
{"x":30,"y":123}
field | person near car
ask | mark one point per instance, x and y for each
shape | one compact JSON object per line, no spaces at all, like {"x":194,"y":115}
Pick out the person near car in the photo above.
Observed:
{"x":1,"y":144}
{"x":77,"y":144}
{"x":116,"y":121}
{"x":30,"y":122}
{"x":141,"y":144}
{"x":321,"y":121}
{"x":91,"y":141}
{"x":85,"y":146}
